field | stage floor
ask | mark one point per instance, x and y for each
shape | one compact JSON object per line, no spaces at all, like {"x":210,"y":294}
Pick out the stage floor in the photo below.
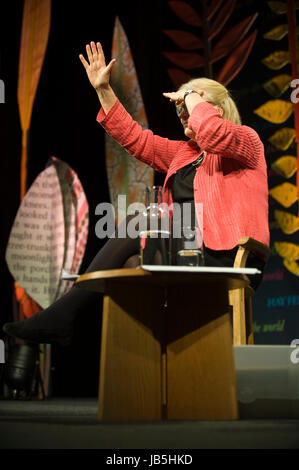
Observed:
{"x":73,"y":424}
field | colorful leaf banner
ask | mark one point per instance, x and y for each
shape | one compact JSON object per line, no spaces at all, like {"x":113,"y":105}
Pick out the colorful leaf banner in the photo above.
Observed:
{"x":277,"y":33}
{"x":199,"y":50}
{"x":277,"y":60}
{"x":279,"y":8}
{"x":48,"y":234}
{"x":294,"y":51}
{"x":276,"y":86}
{"x":287,"y":250}
{"x":288,"y":223}
{"x":126,"y":175}
{"x":76,"y":218}
{"x":283,"y":138}
{"x":285,"y":166}
{"x":186,"y":13}
{"x":34,"y":39}
{"x":275,"y":111}
{"x":35,"y":249}
{"x":286,"y":194}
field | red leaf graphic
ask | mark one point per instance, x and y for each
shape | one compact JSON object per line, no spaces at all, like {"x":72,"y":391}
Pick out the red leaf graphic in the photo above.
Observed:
{"x":178,"y":77}
{"x":185,"y":60}
{"x":222,"y":18}
{"x":232,"y":38}
{"x":215,"y":5}
{"x":186,"y":13}
{"x":184,"y":39}
{"x":236,"y":60}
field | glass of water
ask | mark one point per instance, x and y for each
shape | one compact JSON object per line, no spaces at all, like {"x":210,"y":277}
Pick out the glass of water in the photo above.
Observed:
{"x":189,"y":247}
{"x":155,"y":233}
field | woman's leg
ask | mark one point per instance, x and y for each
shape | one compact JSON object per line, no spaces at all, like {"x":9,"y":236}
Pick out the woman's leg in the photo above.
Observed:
{"x":55,"y":323}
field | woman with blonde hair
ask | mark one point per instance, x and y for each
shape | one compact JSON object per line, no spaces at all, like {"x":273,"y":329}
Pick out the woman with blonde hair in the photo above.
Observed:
{"x":216,"y":94}
{"x":221,"y":167}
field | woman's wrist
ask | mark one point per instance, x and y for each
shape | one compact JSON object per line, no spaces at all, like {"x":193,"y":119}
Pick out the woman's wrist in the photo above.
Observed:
{"x":106,"y":96}
{"x":191,"y":100}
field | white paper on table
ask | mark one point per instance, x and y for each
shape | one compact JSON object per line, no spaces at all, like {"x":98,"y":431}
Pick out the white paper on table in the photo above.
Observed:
{"x":199,"y":269}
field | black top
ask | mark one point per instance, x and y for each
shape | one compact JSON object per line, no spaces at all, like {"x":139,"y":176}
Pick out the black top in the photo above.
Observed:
{"x":182,"y":183}
{"x":182,"y":188}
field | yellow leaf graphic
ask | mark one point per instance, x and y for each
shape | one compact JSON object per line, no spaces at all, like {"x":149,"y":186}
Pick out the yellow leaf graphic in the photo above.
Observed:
{"x":291,"y":266}
{"x":283,"y":138}
{"x":288,"y":223}
{"x":278,"y":85}
{"x":277,"y":60}
{"x":277,"y":33}
{"x":286,"y":194}
{"x":276,"y":111}
{"x":285,"y":166}
{"x":287,"y":250}
{"x":278,"y":7}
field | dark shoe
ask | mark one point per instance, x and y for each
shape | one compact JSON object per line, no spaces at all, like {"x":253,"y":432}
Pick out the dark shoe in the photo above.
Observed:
{"x":61,"y":336}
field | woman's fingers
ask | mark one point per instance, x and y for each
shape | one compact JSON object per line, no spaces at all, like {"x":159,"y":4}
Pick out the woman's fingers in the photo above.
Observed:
{"x":174,"y":95}
{"x":84,"y":62}
{"x":100,"y":51}
{"x":168,"y":95}
{"x":110,"y":65}
{"x":94,"y":54}
{"x":89,"y":54}
{"x":94,"y":51}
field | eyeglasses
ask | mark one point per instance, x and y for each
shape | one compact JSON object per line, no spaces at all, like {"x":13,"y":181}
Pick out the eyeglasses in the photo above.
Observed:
{"x":183,"y":108}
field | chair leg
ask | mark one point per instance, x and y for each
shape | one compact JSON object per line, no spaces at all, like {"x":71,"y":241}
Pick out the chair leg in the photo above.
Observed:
{"x":237,"y":300}
{"x":248,"y":317}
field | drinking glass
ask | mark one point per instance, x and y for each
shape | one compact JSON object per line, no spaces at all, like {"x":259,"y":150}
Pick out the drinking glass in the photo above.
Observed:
{"x":189,"y":247}
{"x":155,"y":233}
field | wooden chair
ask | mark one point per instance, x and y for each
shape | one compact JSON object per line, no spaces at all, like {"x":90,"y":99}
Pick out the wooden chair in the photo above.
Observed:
{"x":241,"y":299}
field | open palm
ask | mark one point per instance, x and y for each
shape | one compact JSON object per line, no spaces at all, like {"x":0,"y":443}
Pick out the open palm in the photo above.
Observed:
{"x":97,"y":70}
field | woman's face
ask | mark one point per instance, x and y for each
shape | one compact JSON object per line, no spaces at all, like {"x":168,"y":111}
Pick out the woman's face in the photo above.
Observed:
{"x":182,"y":113}
{"x":183,"y":116}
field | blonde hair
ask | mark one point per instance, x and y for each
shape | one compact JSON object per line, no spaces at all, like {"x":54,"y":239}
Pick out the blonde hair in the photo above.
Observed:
{"x":217,"y":95}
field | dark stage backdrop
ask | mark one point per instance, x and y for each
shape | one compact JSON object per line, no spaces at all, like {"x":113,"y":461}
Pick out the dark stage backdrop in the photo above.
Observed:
{"x":64,"y":125}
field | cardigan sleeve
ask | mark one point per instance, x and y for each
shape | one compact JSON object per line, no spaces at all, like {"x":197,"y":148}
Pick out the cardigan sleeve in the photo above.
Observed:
{"x":151,"y":149}
{"x":220,"y":136}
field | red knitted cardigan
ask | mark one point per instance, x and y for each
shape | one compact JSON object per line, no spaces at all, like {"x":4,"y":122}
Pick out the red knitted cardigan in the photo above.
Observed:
{"x":231,"y":183}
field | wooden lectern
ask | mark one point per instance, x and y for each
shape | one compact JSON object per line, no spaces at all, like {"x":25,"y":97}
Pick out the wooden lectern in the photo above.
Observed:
{"x":166,"y":350}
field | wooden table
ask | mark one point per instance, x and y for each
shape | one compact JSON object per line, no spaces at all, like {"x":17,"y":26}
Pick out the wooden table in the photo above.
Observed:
{"x":166,"y":346}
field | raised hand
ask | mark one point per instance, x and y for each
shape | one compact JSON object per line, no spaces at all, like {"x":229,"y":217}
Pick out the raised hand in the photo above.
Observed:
{"x":178,"y":96}
{"x":97,"y":70}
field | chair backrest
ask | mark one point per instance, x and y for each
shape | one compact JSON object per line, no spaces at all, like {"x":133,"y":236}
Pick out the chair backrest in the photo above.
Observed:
{"x":249,"y":245}
{"x":261,"y":250}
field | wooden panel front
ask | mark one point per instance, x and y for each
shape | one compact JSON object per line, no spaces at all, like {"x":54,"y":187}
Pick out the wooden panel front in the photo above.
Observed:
{"x":201,"y":380}
{"x":130,"y":366}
